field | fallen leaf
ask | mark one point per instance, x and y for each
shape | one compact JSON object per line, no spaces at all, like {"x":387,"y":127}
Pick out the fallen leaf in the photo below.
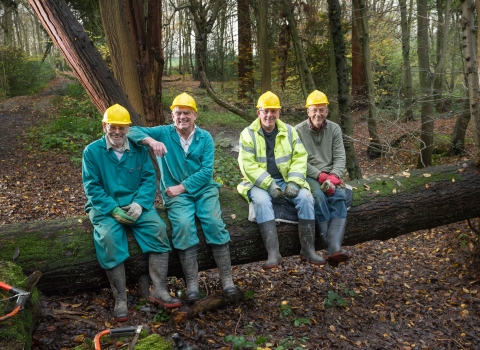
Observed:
{"x":427,"y":175}
{"x":394,"y":190}
{"x":233,"y":216}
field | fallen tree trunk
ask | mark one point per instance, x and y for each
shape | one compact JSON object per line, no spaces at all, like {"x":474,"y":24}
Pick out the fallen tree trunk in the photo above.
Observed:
{"x":384,"y":207}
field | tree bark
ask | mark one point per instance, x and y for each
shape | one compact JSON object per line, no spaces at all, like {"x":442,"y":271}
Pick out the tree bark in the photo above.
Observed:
{"x":121,"y":51}
{"x":82,"y":56}
{"x":374,"y":149}
{"x":406,"y":24}
{"x":245,"y":52}
{"x":63,"y":249}
{"x":344,"y":100}
{"x":263,"y":47}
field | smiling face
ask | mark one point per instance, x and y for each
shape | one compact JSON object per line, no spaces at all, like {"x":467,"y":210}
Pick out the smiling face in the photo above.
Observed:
{"x":184,"y":119}
{"x":116,"y":133}
{"x":317,"y":114}
{"x":268,"y":117}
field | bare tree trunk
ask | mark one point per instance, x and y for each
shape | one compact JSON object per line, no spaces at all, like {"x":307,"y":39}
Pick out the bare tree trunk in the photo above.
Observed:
{"x":346,"y":123}
{"x":245,"y":52}
{"x":333,"y":90}
{"x":359,"y":80}
{"x":439,"y":84}
{"x":81,"y":55}
{"x":425,"y":157}
{"x":146,"y":36}
{"x":457,"y":141}
{"x":263,"y":47}
{"x":306,"y":79}
{"x":471,"y":70}
{"x":361,"y":13}
{"x":121,"y":51}
{"x":406,"y":23}
{"x":282,"y":52}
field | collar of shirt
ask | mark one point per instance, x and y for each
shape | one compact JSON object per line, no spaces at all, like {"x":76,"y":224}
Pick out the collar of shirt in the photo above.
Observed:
{"x":125,"y":147}
{"x":185,"y":143}
{"x":312,"y":127}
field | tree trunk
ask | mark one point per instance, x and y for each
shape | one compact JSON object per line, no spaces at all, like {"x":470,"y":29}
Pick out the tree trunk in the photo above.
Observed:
{"x":306,"y":79}
{"x":346,"y":123}
{"x":470,"y":56}
{"x":359,"y":81}
{"x":332,"y":94}
{"x":81,"y":55}
{"x":406,"y":23}
{"x":121,"y":51}
{"x":457,"y":141}
{"x":263,"y":47}
{"x":374,"y":149}
{"x":439,"y":84}
{"x":63,"y":249}
{"x":426,"y":147}
{"x":245,"y":51}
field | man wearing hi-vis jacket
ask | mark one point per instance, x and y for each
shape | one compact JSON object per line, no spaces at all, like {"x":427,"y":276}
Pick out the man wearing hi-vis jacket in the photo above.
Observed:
{"x":273,"y":162}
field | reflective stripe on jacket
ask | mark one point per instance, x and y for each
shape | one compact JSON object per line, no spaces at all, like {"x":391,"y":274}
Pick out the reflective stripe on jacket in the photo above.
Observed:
{"x":290,"y":157}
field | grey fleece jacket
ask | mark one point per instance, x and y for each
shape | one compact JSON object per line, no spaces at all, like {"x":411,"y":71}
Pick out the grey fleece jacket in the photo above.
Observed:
{"x":325,"y":149}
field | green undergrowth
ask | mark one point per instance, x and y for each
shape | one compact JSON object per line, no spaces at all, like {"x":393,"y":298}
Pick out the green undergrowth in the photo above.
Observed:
{"x":226,"y":170}
{"x":364,"y":190}
{"x":76,"y":124}
{"x":146,"y":342}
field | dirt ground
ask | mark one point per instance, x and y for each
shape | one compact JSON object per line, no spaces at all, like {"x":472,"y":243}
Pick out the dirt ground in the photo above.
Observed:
{"x":417,"y":291}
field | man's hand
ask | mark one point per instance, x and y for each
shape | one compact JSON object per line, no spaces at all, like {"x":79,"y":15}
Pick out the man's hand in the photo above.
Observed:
{"x":134,"y":210}
{"x":158,"y":147}
{"x":328,"y":188}
{"x":122,"y":217}
{"x":175,"y":190}
{"x":292,"y":189}
{"x":275,"y":191}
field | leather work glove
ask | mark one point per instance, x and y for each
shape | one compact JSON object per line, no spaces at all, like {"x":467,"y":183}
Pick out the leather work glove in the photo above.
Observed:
{"x":275,"y":191}
{"x":292,"y":189}
{"x":121,"y":216}
{"x":328,"y":188}
{"x":134,"y":210}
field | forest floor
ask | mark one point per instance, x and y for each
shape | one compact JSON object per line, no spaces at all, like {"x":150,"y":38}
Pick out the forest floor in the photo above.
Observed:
{"x":417,"y":291}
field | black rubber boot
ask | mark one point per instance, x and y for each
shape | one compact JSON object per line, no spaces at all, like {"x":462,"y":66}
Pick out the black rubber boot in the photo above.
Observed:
{"x":158,"y":269}
{"x":221,"y":254}
{"x":188,"y":258}
{"x":268,"y":230}
{"x":323,"y":230}
{"x":306,"y":234}
{"x":336,"y":231}
{"x":116,"y":277}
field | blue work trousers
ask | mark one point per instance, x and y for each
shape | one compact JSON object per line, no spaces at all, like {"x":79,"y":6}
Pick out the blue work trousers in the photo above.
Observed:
{"x":262,"y":203}
{"x":328,"y":207}
{"x":183,"y":209}
{"x":111,"y":242}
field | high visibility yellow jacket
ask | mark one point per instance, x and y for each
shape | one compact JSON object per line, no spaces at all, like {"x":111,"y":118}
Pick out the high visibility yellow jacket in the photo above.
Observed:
{"x":290,"y":157}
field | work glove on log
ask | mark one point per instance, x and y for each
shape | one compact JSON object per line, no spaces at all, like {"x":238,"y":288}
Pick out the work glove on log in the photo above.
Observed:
{"x":134,"y":210}
{"x":275,"y":191}
{"x":292,"y":189}
{"x":121,"y":216}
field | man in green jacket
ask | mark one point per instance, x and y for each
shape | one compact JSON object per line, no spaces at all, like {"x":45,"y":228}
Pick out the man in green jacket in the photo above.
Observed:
{"x":119,"y":182}
{"x":185,"y":155}
{"x":322,"y":139}
{"x":273,"y":162}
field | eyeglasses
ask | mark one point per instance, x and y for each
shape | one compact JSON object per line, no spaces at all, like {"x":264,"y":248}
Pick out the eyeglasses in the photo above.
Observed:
{"x":269,"y":110}
{"x":179,"y":113}
{"x":318,"y":110}
{"x":117,"y":128}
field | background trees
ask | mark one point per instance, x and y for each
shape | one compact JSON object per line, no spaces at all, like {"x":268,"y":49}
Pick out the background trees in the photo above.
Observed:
{"x":239,"y":49}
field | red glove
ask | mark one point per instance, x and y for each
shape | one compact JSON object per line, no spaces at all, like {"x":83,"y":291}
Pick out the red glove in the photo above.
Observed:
{"x":322,"y":177}
{"x":334,"y":180}
{"x":328,"y":188}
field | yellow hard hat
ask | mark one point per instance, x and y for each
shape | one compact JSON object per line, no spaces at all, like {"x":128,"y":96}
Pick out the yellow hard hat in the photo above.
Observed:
{"x":184,"y":100}
{"x":268,"y":100}
{"x":316,"y":98}
{"x":116,"y":114}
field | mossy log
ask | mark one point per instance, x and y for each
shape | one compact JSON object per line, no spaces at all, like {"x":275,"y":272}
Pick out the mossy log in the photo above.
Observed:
{"x":384,"y":207}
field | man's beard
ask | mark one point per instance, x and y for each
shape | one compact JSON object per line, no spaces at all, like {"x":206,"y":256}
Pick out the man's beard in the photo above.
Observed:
{"x":117,"y":143}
